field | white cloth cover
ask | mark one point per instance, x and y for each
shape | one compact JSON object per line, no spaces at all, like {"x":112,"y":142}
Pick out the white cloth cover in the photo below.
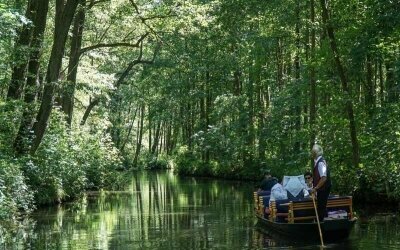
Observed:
{"x":277,"y":193}
{"x":294,"y":184}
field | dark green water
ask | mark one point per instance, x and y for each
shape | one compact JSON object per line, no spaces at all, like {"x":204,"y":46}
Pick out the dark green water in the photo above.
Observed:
{"x":163,"y":211}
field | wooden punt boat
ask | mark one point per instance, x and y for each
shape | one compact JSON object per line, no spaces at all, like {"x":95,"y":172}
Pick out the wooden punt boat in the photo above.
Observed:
{"x":296,"y":218}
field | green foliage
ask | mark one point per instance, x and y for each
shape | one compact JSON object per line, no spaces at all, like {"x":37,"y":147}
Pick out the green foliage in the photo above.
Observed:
{"x":10,"y":21}
{"x":147,"y":161}
{"x":16,"y":197}
{"x":234,"y":98}
{"x":334,"y":135}
{"x":381,"y":172}
{"x":185,"y":161}
{"x":157,"y":162}
{"x":70,"y":162}
{"x":9,"y":112}
{"x":224,"y":96}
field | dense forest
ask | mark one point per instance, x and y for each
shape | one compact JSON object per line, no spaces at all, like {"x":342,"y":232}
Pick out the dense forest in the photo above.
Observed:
{"x":223,"y":88}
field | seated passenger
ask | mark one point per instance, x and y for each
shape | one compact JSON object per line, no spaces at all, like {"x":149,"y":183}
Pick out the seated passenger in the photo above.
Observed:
{"x":267,"y":182}
{"x":278,"y":192}
{"x":309,"y":180}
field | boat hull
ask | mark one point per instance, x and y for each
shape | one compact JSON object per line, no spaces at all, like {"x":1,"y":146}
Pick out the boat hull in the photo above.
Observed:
{"x":331,"y":229}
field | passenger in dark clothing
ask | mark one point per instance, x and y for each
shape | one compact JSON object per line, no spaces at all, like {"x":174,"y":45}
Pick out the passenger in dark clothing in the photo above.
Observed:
{"x":264,"y":189}
{"x":264,"y":182}
{"x":268,"y":182}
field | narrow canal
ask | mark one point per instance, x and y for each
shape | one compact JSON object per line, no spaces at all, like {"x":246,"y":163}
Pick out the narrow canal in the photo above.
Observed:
{"x":164,"y":211}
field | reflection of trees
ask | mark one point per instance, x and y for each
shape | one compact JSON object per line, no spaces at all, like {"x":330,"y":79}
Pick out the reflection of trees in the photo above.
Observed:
{"x":158,"y":210}
{"x":81,"y":225}
{"x":381,"y":230}
{"x":171,"y":211}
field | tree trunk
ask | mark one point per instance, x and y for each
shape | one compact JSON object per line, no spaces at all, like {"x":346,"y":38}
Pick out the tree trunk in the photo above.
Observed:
{"x":207,"y":109}
{"x":64,"y":14}
{"x":156,"y":138}
{"x":129,"y":131}
{"x":76,"y":42}
{"x":117,"y":124}
{"x":175,"y":135}
{"x":168,"y":140}
{"x":237,"y":83}
{"x":313,"y":84}
{"x":140,"y":136}
{"x":150,"y":124}
{"x":297,"y":108}
{"x":189,"y":126}
{"x":160,"y":143}
{"x":279,"y":63}
{"x":250,"y":122}
{"x":369,"y":88}
{"x":32,"y":76}
{"x":260,"y":107}
{"x":381,"y":83}
{"x":89,"y":108}
{"x":21,"y":55}
{"x":203,"y":125}
{"x":166,"y":137}
{"x":391,"y":86}
{"x":343,"y":79}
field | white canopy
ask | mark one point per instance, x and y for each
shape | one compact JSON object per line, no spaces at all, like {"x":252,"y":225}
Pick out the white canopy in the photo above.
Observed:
{"x":294,"y":184}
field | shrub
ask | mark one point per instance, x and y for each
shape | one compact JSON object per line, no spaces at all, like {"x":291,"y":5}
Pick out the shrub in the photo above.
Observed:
{"x":69,"y":162}
{"x":157,"y":162}
{"x":185,"y":161}
{"x":16,"y":198}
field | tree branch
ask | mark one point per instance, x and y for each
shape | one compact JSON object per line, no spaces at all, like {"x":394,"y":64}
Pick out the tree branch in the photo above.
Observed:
{"x":104,"y":33}
{"x":144,"y":19}
{"x":93,"y":2}
{"x":92,"y":104}
{"x":135,"y":62}
{"x":110,"y":45}
{"x":135,"y":6}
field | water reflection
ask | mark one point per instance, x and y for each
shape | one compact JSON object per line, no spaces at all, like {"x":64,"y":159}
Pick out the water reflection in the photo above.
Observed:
{"x":163,"y":211}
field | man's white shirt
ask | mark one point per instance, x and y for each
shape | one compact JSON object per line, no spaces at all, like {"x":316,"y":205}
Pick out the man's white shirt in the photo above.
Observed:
{"x":321,"y":167}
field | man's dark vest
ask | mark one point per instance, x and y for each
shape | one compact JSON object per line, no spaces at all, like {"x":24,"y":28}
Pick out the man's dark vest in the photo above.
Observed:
{"x":316,"y":176}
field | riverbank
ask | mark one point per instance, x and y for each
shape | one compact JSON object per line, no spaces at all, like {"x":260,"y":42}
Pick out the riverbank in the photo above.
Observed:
{"x":362,"y":198}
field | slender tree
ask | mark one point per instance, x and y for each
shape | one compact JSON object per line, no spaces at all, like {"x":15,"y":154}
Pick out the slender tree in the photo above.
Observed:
{"x":32,"y":76}
{"x":21,"y":55}
{"x":64,"y":14}
{"x":67,"y":102}
{"x":343,"y":79}
{"x":313,"y":95}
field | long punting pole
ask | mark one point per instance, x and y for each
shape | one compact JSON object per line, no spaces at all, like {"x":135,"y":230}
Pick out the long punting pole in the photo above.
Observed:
{"x":319,"y":225}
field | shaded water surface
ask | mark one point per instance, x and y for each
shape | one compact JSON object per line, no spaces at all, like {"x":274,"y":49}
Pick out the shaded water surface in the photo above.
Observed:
{"x":163,"y":211}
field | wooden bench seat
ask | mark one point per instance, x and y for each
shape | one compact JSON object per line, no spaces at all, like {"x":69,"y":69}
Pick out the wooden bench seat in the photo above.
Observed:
{"x":259,"y":202}
{"x":303,"y":210}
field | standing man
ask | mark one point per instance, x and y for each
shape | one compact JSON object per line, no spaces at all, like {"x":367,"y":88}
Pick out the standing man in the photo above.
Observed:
{"x":321,"y":180}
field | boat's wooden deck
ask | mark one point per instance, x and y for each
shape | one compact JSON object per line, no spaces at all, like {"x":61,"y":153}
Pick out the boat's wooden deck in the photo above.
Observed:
{"x":298,"y":210}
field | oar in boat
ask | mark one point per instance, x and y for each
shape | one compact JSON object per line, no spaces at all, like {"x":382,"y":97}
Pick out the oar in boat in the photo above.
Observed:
{"x":319,"y":225}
